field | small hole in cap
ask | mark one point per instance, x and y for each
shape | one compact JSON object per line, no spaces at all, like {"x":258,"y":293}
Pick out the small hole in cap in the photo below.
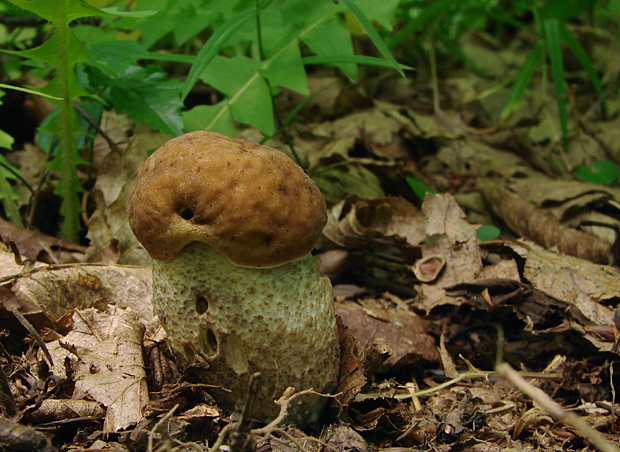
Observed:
{"x":186,"y":213}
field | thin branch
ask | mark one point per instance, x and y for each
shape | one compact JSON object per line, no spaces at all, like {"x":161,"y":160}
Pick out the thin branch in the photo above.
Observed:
{"x":555,"y":410}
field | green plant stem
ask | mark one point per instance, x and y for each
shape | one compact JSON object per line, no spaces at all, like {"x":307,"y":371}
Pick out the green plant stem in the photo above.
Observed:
{"x":70,"y":205}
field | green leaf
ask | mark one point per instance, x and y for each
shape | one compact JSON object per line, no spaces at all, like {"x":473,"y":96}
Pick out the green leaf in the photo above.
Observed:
{"x":145,"y":94}
{"x":248,"y":95}
{"x":551,"y":31}
{"x":602,"y":172}
{"x":58,"y":11}
{"x":50,"y":51}
{"x":212,"y":48}
{"x":117,"y":55}
{"x":419,"y":188}
{"x":63,"y":126}
{"x":7,"y":193}
{"x":215,"y":118}
{"x":326,"y":35}
{"x":6,"y":140}
{"x":373,"y":35}
{"x":487,"y":232}
{"x":287,"y":69}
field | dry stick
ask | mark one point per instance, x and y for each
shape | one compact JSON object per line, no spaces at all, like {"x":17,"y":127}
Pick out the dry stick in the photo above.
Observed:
{"x":95,"y":126}
{"x":555,"y":410}
{"x":167,"y":416}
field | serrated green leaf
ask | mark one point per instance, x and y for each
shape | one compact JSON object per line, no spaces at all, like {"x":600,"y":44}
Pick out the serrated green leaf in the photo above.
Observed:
{"x":117,"y":55}
{"x":59,"y":11}
{"x":63,"y":125}
{"x":146,"y":95}
{"x":50,"y":51}
{"x":55,"y":89}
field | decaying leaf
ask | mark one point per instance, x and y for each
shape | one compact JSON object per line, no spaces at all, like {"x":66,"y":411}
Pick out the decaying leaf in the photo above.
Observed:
{"x":354,"y":222}
{"x":454,"y":239}
{"x":585,"y":287}
{"x":405,"y":333}
{"x":530,"y":222}
{"x":108,"y":363}
{"x":60,"y":289}
{"x":352,"y":378}
{"x":40,"y":247}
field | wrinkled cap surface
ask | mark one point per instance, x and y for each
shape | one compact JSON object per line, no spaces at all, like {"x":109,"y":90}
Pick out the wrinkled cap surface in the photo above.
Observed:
{"x":250,"y":202}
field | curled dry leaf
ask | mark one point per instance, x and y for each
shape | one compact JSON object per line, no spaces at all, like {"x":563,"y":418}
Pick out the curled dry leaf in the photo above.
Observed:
{"x":428,"y":268}
{"x":525,"y":219}
{"x":61,"y":409}
{"x":354,"y":222}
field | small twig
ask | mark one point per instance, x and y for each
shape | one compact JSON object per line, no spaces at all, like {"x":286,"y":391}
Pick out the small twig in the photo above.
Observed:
{"x":34,"y":333}
{"x":95,"y":126}
{"x":223,"y":434}
{"x":284,"y":401}
{"x":473,"y":375}
{"x":555,"y":410}
{"x":167,"y":416}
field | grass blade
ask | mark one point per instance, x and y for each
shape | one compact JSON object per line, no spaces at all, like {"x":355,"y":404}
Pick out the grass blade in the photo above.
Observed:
{"x":357,"y":59}
{"x":551,"y":30}
{"x":522,"y":80}
{"x":212,"y":48}
{"x":373,"y":35}
{"x":581,"y":55}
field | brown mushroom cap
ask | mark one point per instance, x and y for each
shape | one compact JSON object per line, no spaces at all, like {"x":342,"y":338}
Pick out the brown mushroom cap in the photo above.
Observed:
{"x":250,"y":202}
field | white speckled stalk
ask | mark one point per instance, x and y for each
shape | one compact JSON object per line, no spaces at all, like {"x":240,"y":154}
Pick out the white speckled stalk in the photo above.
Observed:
{"x":232,"y":321}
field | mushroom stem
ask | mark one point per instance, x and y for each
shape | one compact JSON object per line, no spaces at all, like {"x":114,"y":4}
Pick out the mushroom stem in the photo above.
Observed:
{"x":278,"y":321}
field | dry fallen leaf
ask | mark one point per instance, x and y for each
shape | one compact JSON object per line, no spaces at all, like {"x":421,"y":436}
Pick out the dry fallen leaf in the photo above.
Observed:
{"x":452,"y":238}
{"x":109,"y":364}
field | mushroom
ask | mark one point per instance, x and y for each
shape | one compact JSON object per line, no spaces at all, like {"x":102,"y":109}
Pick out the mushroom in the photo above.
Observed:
{"x":230,"y":225}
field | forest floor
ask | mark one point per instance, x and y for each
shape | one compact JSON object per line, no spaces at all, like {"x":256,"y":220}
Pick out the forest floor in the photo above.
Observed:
{"x":446,"y":331}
